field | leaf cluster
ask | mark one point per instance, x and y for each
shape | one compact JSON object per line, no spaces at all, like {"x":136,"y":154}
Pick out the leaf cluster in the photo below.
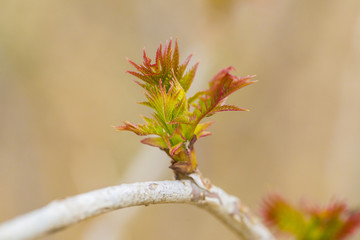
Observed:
{"x":176,"y":124}
{"x":334,"y":222}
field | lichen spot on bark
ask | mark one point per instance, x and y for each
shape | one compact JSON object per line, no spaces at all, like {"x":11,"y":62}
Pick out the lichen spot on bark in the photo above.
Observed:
{"x":153,"y":186}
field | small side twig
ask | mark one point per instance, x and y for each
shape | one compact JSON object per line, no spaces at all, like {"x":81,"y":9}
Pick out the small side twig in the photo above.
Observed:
{"x":64,"y":213}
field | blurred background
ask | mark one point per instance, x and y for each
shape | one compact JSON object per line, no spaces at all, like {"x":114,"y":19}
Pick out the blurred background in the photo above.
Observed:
{"x":63,"y":85}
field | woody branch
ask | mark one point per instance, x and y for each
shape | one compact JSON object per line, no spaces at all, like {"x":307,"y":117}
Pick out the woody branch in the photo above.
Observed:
{"x":61,"y":214}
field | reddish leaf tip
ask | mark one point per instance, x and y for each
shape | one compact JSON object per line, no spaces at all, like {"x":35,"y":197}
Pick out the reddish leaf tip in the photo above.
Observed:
{"x":118,"y":128}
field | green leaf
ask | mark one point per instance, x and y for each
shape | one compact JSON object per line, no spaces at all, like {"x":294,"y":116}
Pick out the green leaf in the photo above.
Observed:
{"x":155,"y":142}
{"x":138,"y":129}
{"x":225,"y":108}
{"x":279,"y":213}
{"x":200,"y":130}
{"x":196,"y":96}
{"x":333,"y":222}
{"x":220,"y":87}
{"x":165,"y":68}
{"x":187,"y":80}
{"x":175,"y":148}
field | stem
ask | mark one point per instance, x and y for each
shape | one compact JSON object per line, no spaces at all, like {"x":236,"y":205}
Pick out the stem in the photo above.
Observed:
{"x":193,"y":159}
{"x":64,"y":213}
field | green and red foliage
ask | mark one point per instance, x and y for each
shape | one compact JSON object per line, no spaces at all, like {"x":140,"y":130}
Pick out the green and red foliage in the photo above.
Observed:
{"x":176,"y":122}
{"x":334,"y":222}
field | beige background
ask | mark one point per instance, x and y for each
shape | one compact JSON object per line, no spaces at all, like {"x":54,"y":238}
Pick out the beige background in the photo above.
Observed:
{"x":63,"y":85}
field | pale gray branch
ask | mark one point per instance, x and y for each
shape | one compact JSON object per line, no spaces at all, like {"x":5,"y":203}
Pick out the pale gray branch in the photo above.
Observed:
{"x":63,"y":213}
